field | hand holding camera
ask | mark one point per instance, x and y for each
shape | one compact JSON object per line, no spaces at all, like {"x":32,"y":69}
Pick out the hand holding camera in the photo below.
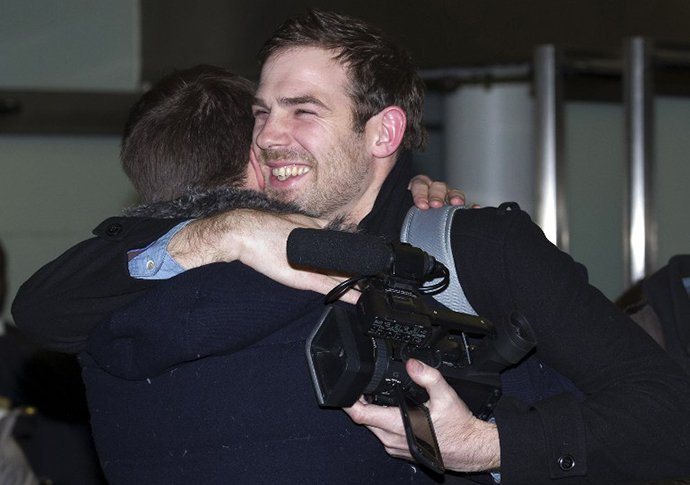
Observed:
{"x":365,"y":352}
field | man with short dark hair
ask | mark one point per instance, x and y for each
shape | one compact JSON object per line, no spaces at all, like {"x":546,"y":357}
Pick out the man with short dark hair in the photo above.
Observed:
{"x":191,"y":131}
{"x":171,"y":144}
{"x":566,"y":411}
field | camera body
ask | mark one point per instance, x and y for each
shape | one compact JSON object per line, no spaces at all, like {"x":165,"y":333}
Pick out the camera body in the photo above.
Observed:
{"x":364,"y":352}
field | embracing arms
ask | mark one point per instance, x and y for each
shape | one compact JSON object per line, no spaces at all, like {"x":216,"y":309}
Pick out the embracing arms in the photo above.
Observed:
{"x":60,"y":304}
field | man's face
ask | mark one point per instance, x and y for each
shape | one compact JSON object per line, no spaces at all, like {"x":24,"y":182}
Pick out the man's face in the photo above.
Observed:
{"x":303,"y":134}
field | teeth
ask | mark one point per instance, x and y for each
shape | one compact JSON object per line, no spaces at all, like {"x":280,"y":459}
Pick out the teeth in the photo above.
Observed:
{"x":284,"y":173}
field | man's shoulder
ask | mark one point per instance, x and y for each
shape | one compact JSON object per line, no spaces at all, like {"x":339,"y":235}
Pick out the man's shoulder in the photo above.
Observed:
{"x":489,"y":224}
{"x":120,"y":228}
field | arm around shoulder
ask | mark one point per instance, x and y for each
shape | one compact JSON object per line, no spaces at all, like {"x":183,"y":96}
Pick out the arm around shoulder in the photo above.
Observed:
{"x":254,"y":237}
{"x":619,"y":414}
{"x":62,"y":302}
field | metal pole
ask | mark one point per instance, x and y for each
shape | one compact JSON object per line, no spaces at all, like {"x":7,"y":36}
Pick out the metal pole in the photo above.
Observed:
{"x":551,"y":214}
{"x":639,"y":228}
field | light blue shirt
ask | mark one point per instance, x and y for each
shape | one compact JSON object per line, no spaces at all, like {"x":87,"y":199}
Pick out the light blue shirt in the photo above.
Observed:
{"x":154,"y":262}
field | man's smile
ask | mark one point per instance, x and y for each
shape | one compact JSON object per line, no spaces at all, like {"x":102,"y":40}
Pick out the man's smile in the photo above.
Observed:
{"x":285,"y":172}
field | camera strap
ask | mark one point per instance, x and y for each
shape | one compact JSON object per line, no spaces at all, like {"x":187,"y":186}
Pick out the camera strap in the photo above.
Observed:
{"x":429,"y":230}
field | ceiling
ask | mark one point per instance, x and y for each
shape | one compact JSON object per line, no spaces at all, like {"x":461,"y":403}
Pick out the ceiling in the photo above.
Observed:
{"x":441,"y":34}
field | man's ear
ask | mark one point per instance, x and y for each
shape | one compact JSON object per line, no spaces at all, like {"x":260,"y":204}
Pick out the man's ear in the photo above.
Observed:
{"x":387,"y":130}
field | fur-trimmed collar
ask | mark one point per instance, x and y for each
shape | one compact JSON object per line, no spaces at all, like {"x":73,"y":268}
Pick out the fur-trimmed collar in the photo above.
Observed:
{"x":202,"y":203}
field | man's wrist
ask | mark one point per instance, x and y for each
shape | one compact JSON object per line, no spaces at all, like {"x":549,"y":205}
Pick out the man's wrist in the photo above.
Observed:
{"x":492,"y":446}
{"x":475,"y":449}
{"x":209,"y":240}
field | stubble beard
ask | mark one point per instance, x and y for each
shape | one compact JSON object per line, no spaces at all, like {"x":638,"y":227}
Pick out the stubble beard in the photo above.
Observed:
{"x":338,"y":182}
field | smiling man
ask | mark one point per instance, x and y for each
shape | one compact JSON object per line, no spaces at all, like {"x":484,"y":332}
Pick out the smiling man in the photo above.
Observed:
{"x":336,"y":104}
{"x":304,"y":137}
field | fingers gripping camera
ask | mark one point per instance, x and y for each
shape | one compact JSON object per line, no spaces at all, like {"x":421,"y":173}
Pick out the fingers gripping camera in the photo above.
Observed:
{"x":364,"y":352}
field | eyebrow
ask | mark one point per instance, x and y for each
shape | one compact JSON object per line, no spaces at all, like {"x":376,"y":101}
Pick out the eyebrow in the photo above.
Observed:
{"x":258,"y":102}
{"x":293,"y":101}
{"x":306,"y":99}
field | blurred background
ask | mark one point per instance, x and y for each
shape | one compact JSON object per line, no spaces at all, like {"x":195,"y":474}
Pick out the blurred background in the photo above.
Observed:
{"x":578,"y":110}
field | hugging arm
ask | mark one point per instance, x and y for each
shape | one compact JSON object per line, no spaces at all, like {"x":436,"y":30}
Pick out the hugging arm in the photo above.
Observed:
{"x":59,"y":305}
{"x":62,"y":302}
{"x":614,"y":364}
{"x":257,"y":239}
{"x":621,"y":415}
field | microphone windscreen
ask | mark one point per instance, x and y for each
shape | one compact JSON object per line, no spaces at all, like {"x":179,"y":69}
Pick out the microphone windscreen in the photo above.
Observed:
{"x":342,"y":252}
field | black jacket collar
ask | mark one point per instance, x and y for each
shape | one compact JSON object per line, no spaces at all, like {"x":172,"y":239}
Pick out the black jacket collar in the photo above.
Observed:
{"x":392,"y":203}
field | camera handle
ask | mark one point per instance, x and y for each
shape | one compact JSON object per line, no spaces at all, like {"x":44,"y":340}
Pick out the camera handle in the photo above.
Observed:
{"x":463,"y":322}
{"x":419,"y":431}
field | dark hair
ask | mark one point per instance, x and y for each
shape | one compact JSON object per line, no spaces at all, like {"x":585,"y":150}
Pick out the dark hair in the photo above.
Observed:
{"x":193,"y":129}
{"x":381,"y":74}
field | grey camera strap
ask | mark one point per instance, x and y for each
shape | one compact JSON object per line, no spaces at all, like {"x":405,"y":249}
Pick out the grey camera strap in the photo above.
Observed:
{"x":429,"y":230}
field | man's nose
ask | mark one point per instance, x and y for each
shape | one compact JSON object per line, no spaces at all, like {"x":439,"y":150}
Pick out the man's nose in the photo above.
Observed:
{"x":275,"y":132}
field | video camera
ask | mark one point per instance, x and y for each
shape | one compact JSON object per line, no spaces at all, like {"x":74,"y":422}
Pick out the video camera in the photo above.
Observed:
{"x":364,"y":352}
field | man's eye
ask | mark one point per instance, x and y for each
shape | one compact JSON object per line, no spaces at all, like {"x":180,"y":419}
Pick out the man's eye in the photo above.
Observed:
{"x":257,"y":113}
{"x":304,"y":112}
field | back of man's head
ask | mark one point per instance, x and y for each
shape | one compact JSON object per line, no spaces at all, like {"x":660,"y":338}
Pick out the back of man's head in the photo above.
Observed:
{"x":191,"y":130}
{"x":381,"y":74}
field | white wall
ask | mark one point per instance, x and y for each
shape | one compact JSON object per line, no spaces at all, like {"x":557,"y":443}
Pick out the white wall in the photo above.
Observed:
{"x":53,"y":192}
{"x":70,"y":44}
{"x":595,"y":147}
{"x":489,"y":143}
{"x":489,"y":140}
{"x":55,"y":189}
{"x":672,"y":176}
{"x":595,"y":184}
